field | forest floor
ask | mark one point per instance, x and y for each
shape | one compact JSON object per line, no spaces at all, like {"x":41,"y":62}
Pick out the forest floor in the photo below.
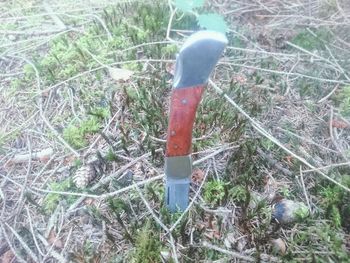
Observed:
{"x":84,"y":93}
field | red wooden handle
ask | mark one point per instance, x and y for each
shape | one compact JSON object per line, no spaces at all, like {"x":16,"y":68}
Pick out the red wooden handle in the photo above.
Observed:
{"x":183,"y":107}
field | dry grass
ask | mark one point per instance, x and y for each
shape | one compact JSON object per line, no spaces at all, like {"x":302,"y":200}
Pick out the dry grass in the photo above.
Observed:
{"x":279,"y":131}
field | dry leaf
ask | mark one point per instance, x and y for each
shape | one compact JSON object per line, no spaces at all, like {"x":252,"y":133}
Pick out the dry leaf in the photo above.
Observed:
{"x":289,"y":159}
{"x":69,"y":160}
{"x":339,"y":124}
{"x":212,"y":229}
{"x":52,"y":239}
{"x":240,"y":79}
{"x":212,"y":235}
{"x":89,"y":201}
{"x":170,"y":68}
{"x":197,"y":176}
{"x":120,"y":74}
{"x":7,"y":257}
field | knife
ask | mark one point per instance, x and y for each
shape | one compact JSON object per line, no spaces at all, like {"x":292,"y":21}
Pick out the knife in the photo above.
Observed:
{"x":194,"y":63}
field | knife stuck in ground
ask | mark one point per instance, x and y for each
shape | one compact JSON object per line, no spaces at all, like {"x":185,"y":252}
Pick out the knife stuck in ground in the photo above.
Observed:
{"x":194,"y":63}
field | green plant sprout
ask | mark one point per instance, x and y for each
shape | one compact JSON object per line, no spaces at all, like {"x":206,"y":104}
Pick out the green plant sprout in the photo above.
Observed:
{"x":147,"y":247}
{"x":344,"y":98}
{"x":52,"y":200}
{"x":214,"y":192}
{"x":210,"y":21}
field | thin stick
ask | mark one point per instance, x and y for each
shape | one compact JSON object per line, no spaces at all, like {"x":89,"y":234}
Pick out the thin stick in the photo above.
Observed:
{"x":54,"y":16}
{"x":84,"y":195}
{"x":32,"y":231}
{"x":296,"y":74}
{"x":209,"y":156}
{"x":329,"y":94}
{"x":47,"y":164}
{"x":172,"y":242}
{"x":150,"y":208}
{"x":122,"y":170}
{"x":172,"y":14}
{"x":30,"y":32}
{"x":29,"y":169}
{"x":227,"y":252}
{"x":304,"y":189}
{"x":335,"y":66}
{"x":152,"y":179}
{"x":53,"y":252}
{"x":307,"y":140}
{"x":262,"y":52}
{"x":331,"y":132}
{"x":327,"y":166}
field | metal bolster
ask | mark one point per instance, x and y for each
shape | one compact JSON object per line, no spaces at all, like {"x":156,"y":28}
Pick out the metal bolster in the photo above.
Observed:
{"x":178,"y":167}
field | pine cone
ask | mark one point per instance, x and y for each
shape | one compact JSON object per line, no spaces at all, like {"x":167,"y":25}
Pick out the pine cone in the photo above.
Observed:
{"x":84,"y":175}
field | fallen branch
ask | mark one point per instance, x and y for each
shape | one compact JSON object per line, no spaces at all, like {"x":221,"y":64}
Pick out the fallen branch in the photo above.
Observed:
{"x":42,"y":155}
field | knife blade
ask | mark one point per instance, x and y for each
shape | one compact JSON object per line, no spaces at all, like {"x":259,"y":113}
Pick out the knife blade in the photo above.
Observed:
{"x":194,"y":64}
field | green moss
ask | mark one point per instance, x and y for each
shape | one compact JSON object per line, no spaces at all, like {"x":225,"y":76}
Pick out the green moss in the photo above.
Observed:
{"x":111,"y":156}
{"x":318,"y":237}
{"x":309,"y":41}
{"x":100,"y":112}
{"x":309,"y":88}
{"x":238,"y":194}
{"x":335,"y":202}
{"x":52,"y":200}
{"x":344,"y":101}
{"x":155,"y":192}
{"x":75,"y":135}
{"x":268,"y":144}
{"x":170,"y":50}
{"x":147,"y":246}
{"x":118,"y":205}
{"x":146,"y":105}
{"x":214,"y":192}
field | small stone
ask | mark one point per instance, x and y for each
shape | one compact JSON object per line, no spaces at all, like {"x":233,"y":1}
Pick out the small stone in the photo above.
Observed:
{"x":11,"y":37}
{"x":230,"y":240}
{"x":165,"y":255}
{"x":279,"y":246}
{"x":288,"y":211}
{"x":241,"y":244}
{"x":236,"y":241}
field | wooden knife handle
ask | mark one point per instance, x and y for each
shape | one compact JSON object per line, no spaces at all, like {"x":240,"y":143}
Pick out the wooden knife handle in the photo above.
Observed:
{"x":183,"y":107}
